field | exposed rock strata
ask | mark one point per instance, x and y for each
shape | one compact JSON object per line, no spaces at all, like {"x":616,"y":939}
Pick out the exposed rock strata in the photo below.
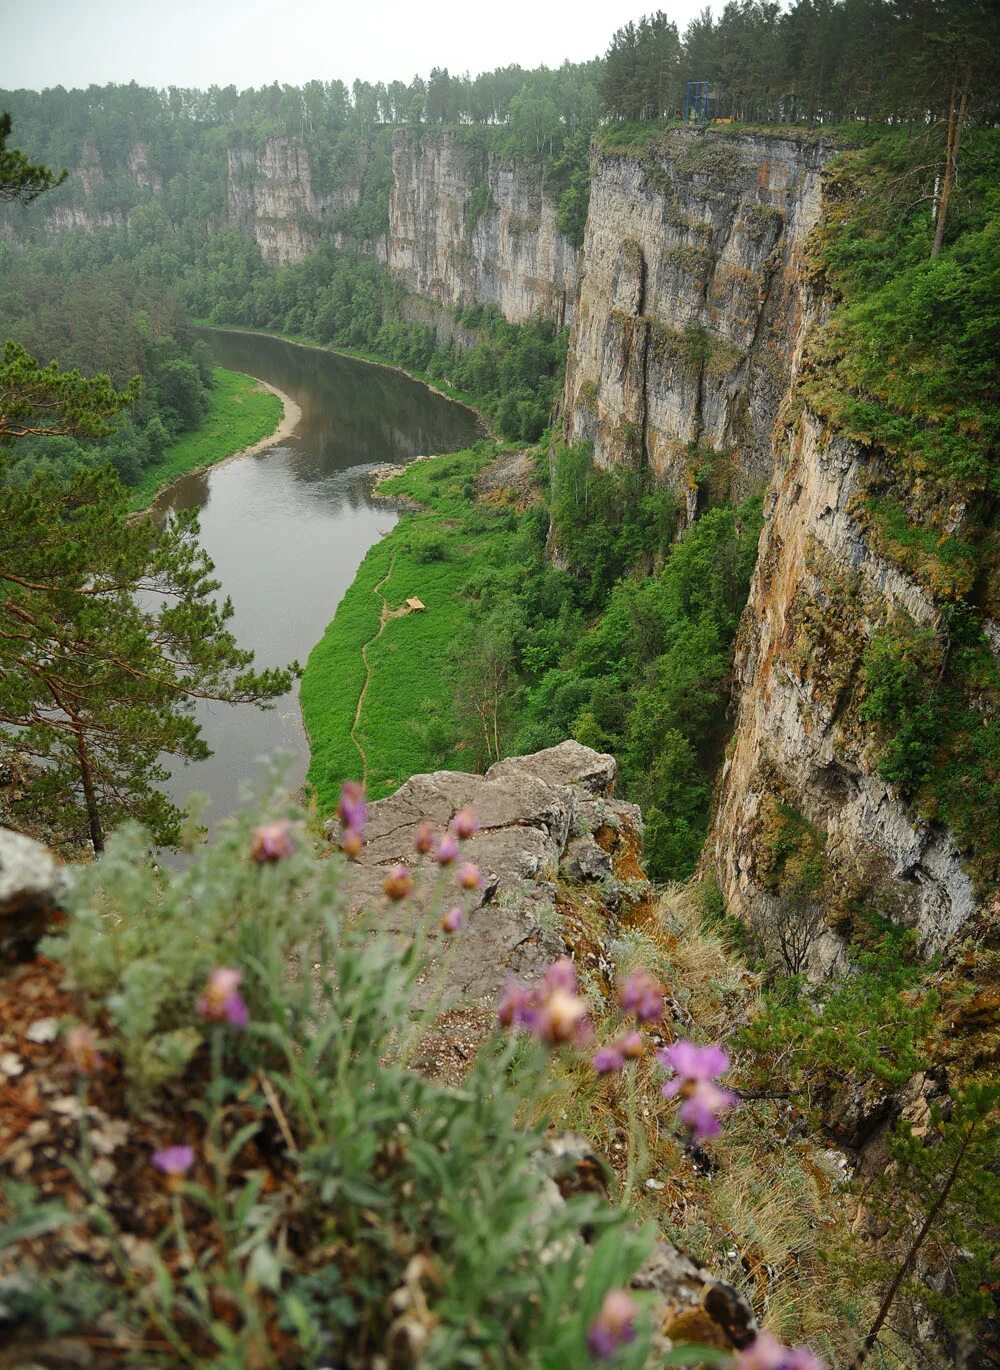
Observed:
{"x":818,"y":594}
{"x":690,"y":308}
{"x":272,"y":198}
{"x":511,"y":253}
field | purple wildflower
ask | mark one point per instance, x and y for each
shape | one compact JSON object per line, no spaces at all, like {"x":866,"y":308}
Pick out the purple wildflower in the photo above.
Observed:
{"x":632,"y":1045}
{"x":272,"y":842}
{"x":398,"y":882}
{"x":464,"y":824}
{"x":560,"y":975}
{"x":642,"y":995}
{"x":447,"y":850}
{"x":468,"y":876}
{"x":351,"y":807}
{"x":516,"y":1007}
{"x":220,"y":1001}
{"x":614,"y":1325}
{"x":351,"y":842}
{"x":453,"y":920}
{"x":703,"y":1102}
{"x":423,"y":838}
{"x":768,"y":1353}
{"x":552,"y":1010}
{"x":608,"y":1060}
{"x":174,"y":1161}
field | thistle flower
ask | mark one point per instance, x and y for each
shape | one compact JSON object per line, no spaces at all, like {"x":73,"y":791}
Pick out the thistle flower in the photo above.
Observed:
{"x":81,"y":1048}
{"x":453,"y":920}
{"x":560,"y":975}
{"x":351,"y":842}
{"x":447,"y":850}
{"x":768,"y":1353}
{"x":614,"y":1325}
{"x":398,"y":882}
{"x":703,"y":1102}
{"x":174,"y":1161}
{"x":608,"y":1060}
{"x":272,"y":842}
{"x":552,"y":1011}
{"x":423,"y":838}
{"x":516,"y":1007}
{"x":468,"y":876}
{"x":351,"y":807}
{"x":632,"y":1045}
{"x":642,"y":995}
{"x":464,"y":824}
{"x":220,"y":1001}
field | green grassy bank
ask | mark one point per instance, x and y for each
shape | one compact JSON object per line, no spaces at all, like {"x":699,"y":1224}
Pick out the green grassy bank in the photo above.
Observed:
{"x":407,"y":718}
{"x":241,"y":413}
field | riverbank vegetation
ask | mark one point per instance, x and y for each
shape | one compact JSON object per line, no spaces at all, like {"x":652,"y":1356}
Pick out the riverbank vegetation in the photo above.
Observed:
{"x":627,"y":649}
{"x":240,"y":413}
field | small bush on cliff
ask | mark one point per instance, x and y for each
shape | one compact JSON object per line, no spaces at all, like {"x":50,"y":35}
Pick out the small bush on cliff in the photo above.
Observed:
{"x":289,"y":1193}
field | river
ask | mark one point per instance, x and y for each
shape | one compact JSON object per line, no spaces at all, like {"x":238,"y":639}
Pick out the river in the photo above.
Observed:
{"x":288,"y":527}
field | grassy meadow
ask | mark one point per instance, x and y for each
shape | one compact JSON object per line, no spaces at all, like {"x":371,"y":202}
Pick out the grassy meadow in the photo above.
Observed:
{"x":406,"y":720}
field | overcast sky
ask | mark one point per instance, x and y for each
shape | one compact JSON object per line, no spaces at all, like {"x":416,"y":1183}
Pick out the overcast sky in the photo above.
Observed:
{"x":253,"y":42}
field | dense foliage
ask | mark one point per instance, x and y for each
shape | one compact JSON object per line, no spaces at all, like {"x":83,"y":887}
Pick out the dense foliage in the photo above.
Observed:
{"x":870,"y":60}
{"x":102,"y":321}
{"x":625,"y":643}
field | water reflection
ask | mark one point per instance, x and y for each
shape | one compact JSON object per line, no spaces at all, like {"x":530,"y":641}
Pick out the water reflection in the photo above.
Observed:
{"x":288,"y":528}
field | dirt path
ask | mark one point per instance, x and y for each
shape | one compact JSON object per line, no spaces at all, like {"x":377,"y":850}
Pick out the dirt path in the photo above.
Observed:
{"x":385,"y":615}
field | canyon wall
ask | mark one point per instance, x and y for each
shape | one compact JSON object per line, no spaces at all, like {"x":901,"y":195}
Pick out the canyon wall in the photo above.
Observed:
{"x":689,"y":342}
{"x":271,"y":197}
{"x":690,"y":310}
{"x":466,"y":227}
{"x":800,"y":783}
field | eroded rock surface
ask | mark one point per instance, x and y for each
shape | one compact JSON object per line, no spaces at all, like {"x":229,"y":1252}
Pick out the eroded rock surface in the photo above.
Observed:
{"x":535,"y":813}
{"x":32,"y":884}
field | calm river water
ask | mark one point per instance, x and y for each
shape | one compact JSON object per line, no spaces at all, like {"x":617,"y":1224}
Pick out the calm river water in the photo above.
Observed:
{"x":287,"y":529}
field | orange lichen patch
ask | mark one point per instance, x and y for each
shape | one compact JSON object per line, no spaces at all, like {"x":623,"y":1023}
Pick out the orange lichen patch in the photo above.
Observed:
{"x":697,"y":1327}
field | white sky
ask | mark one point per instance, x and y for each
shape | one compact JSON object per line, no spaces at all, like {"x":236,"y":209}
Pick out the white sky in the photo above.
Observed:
{"x":254,"y":42}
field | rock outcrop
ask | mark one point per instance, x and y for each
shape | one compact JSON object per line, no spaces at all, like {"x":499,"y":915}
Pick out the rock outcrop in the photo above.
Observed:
{"x":799,"y":754}
{"x":690,"y":309}
{"x":272,"y":198}
{"x":467,"y":227}
{"x":32,"y":884}
{"x":537,"y":819}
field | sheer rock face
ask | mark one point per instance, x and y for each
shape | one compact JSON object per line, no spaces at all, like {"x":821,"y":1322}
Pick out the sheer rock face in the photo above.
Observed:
{"x":469,"y":228}
{"x":272,"y":198}
{"x":532,"y":811}
{"x":689,"y":317}
{"x":819,"y":593}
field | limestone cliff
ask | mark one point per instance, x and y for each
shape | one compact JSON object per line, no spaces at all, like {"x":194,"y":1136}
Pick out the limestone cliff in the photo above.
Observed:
{"x":467,"y":227}
{"x":686,"y":354}
{"x":272,"y":198}
{"x":801,"y":772}
{"x":690,"y":311}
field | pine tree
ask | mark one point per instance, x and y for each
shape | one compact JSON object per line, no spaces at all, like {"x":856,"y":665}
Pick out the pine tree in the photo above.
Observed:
{"x":109,"y":630}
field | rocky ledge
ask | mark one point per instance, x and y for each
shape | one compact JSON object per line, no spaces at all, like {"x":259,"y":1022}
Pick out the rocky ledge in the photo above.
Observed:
{"x":545,"y":820}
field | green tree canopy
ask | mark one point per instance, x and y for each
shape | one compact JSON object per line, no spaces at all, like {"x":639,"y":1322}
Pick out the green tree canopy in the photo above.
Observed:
{"x":109,"y":631}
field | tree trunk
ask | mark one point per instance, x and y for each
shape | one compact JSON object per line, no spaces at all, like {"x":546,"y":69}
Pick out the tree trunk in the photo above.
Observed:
{"x":89,"y":794}
{"x":911,"y":1255}
{"x":956,"y":118}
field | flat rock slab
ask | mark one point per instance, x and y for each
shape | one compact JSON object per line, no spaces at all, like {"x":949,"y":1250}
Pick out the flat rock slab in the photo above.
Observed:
{"x":530,"y":809}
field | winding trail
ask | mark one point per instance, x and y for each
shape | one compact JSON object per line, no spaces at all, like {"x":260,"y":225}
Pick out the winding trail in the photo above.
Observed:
{"x":385,"y":614}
